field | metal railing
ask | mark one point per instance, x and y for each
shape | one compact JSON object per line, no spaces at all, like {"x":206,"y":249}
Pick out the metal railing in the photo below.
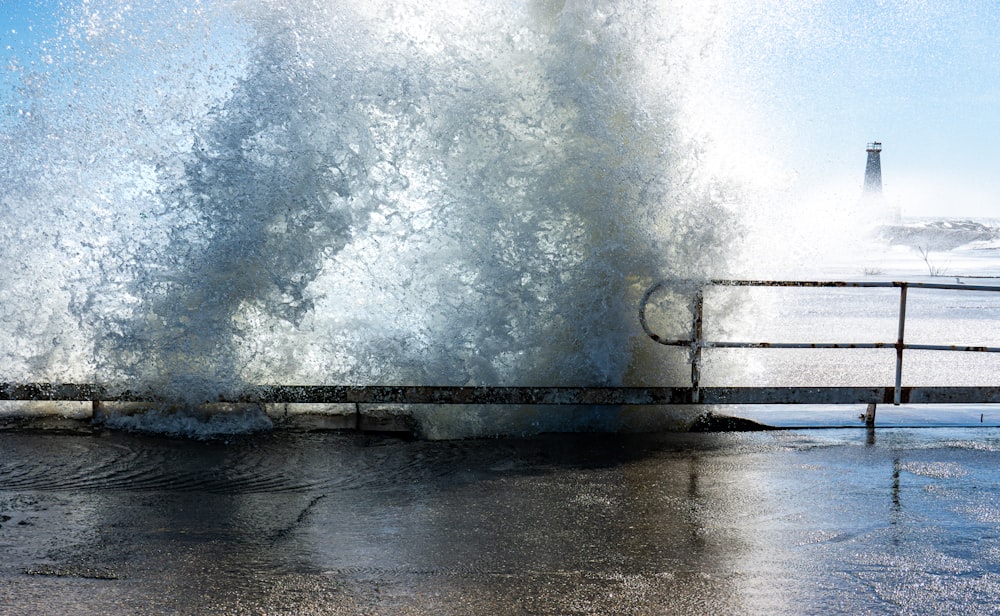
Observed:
{"x":696,"y":343}
{"x":616,"y":396}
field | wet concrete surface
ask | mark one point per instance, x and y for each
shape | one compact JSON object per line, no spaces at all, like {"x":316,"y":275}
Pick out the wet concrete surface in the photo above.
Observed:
{"x":788,"y":522}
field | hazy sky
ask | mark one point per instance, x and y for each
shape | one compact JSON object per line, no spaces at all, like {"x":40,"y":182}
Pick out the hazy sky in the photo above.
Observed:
{"x":923,"y":77}
{"x":821,"y":79}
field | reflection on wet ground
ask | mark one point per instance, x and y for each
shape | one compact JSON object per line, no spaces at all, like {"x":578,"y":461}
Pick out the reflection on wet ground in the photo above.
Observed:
{"x":793,"y":522}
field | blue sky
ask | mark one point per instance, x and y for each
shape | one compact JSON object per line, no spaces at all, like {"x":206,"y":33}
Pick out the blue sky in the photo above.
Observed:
{"x":24,"y":25}
{"x":821,"y":78}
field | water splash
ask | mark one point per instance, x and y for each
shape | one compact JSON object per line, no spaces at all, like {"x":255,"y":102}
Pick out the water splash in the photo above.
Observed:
{"x":212,"y":194}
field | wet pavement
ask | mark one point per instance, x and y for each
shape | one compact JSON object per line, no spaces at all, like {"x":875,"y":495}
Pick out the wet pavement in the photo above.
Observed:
{"x":784,"y":522}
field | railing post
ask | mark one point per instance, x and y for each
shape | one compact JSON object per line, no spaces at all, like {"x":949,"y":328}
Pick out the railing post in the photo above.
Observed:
{"x":897,"y":394}
{"x":96,"y":411}
{"x":696,"y":344}
{"x":870,"y":415}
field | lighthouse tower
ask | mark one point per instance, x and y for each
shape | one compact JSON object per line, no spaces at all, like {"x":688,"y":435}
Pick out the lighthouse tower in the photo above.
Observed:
{"x":873,"y":171}
{"x":876,"y":207}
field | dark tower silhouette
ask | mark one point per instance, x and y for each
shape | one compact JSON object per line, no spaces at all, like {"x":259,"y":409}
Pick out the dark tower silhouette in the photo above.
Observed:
{"x":873,"y":171}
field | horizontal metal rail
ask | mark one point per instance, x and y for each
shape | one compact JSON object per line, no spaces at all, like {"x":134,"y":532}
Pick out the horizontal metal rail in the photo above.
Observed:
{"x":431,"y":394}
{"x":612,"y":396}
{"x":696,"y":342}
